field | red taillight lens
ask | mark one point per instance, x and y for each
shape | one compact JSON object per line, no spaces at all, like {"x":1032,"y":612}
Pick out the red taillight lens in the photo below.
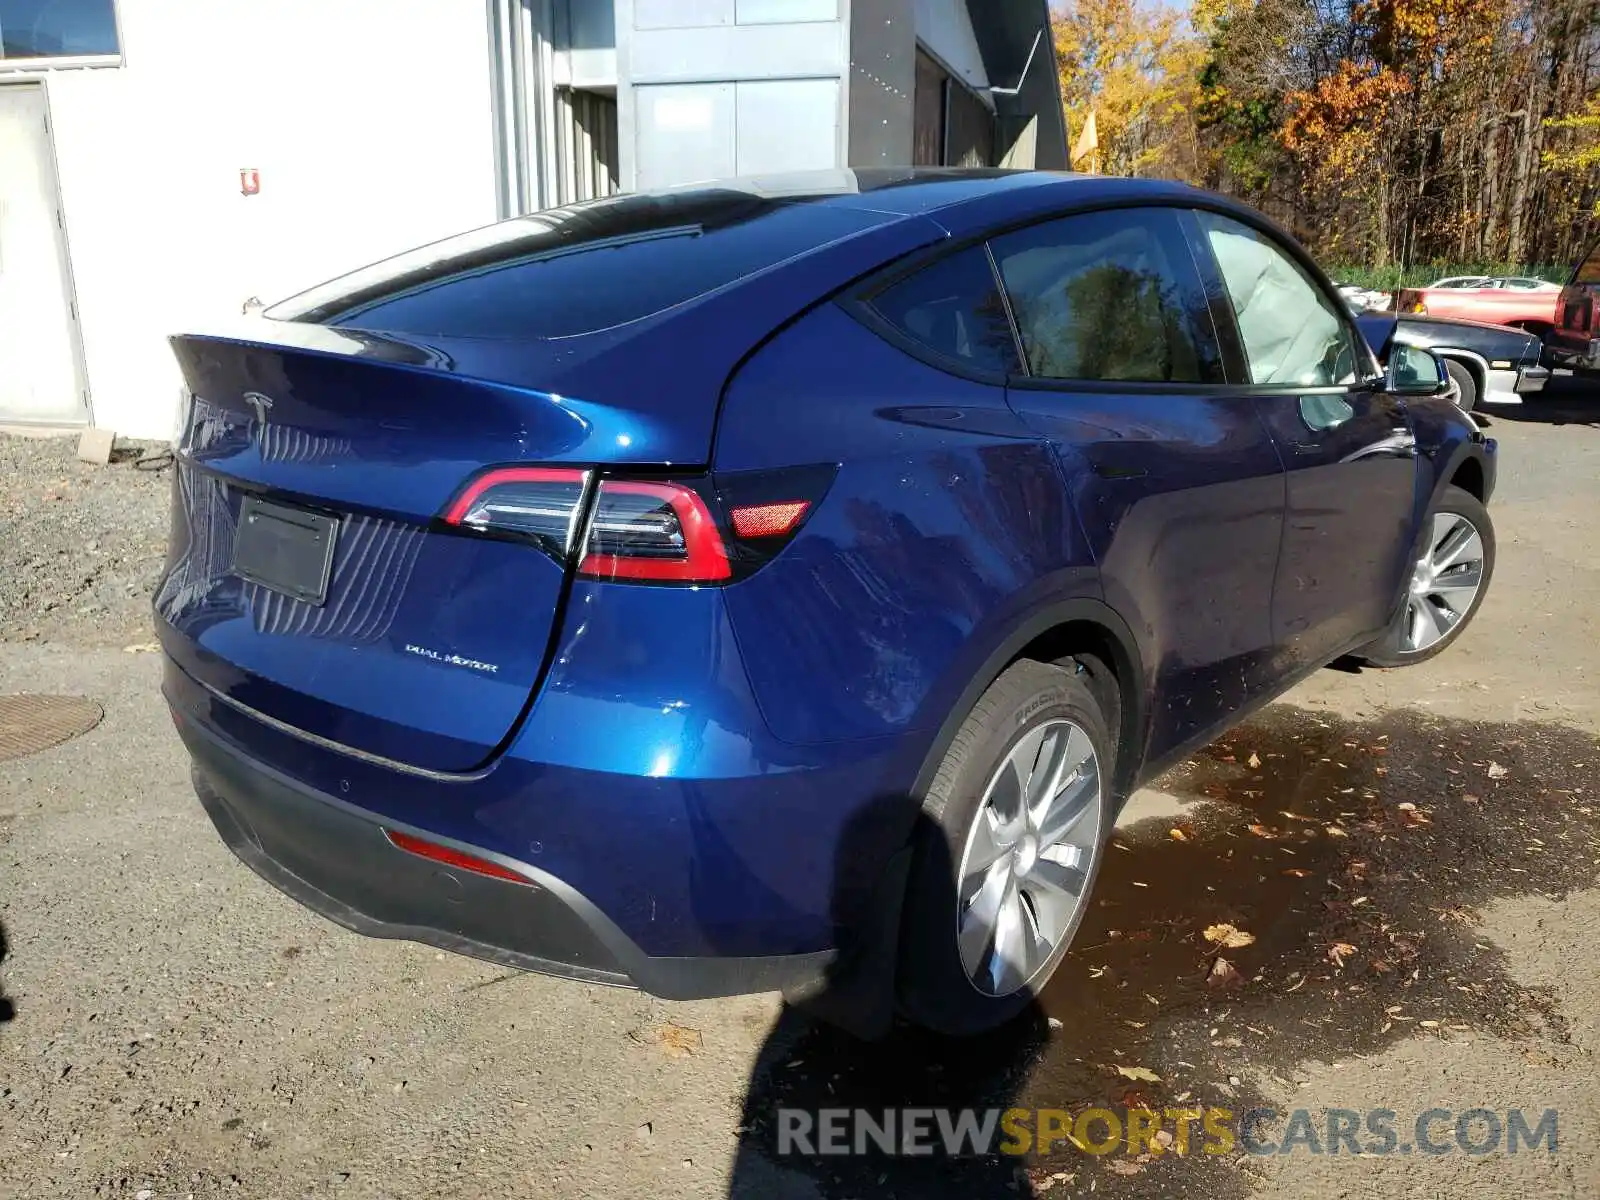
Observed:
{"x":634,"y":529}
{"x":768,"y":520}
{"x":542,"y":503}
{"x":451,"y":857}
{"x":708,"y":530}
{"x":653,"y":530}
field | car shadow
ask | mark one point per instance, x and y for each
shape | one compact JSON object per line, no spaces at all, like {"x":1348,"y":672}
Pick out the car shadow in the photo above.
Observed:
{"x":809,"y":1067}
{"x":1565,"y":400}
{"x":1353,"y":857}
{"x":8,"y":1011}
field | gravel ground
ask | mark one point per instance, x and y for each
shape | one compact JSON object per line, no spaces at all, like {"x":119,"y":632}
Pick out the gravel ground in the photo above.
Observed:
{"x":81,"y":546}
{"x":181,"y":1029}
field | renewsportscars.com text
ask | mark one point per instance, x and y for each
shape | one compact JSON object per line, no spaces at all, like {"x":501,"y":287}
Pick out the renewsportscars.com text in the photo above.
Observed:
{"x":1262,"y":1131}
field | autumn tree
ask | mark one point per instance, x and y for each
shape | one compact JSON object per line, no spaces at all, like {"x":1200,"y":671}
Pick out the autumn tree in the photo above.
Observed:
{"x":1136,"y":66}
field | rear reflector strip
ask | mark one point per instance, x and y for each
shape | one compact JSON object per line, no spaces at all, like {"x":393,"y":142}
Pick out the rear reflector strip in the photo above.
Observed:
{"x":768,"y":520}
{"x":450,"y":857}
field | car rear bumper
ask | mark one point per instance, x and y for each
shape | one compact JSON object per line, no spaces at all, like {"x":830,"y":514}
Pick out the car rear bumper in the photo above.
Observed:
{"x":337,"y":860}
{"x":1572,"y":351}
{"x":1510,"y":385}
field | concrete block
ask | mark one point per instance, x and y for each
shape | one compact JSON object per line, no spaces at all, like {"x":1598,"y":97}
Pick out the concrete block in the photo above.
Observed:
{"x":94,"y":446}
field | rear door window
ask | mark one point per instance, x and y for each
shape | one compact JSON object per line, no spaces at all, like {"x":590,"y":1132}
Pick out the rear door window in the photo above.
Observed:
{"x":1112,"y":296}
{"x":953,"y":307}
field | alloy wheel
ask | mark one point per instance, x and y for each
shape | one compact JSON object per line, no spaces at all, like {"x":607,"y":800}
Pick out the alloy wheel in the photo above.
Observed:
{"x":1026,"y":865}
{"x":1444,"y":583}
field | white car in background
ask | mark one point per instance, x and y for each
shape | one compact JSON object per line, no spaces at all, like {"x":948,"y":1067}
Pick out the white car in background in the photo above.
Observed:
{"x":1362,"y":299}
{"x":1522,"y":283}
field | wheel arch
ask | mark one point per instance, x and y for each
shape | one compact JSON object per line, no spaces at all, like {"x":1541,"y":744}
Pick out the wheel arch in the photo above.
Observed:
{"x":1468,"y":475}
{"x":1054,"y":633}
{"x":1472,"y":361}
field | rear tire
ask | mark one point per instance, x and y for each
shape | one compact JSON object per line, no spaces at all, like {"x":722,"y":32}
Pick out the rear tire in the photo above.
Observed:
{"x":1466,"y":384}
{"x":1008,"y":854}
{"x":1438,"y":598}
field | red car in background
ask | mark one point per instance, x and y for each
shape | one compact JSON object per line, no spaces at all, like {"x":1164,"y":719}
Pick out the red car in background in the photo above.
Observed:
{"x":1574,"y":341}
{"x":1533,"y":309}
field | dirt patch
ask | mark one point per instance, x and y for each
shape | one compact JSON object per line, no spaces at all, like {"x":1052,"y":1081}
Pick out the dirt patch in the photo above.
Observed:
{"x":81,"y":546}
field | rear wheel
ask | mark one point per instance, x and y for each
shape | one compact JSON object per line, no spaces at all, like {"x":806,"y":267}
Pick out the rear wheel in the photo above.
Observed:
{"x":1448,"y":583}
{"x":1466,"y":385}
{"x":1017,"y":818}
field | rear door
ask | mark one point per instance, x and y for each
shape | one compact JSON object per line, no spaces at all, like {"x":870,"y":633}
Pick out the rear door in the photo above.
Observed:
{"x":1346,"y":443}
{"x":1175,"y":477}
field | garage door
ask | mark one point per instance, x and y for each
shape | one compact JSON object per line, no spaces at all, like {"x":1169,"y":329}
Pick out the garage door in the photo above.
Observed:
{"x":40,"y":381}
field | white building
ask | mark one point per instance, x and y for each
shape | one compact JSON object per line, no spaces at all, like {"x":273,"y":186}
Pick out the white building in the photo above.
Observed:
{"x":164,"y":161}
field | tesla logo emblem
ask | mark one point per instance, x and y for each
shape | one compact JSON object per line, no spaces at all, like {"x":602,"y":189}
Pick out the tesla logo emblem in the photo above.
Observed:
{"x":259,"y":404}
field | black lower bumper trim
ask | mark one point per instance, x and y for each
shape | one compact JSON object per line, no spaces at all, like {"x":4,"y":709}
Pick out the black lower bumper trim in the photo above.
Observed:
{"x":334,"y":858}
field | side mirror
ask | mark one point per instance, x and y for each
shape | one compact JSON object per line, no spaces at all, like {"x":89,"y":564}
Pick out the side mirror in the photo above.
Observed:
{"x":1414,"y":371}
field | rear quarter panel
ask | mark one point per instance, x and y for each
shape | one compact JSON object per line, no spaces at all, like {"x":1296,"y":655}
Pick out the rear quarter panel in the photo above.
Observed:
{"x":946,"y":526}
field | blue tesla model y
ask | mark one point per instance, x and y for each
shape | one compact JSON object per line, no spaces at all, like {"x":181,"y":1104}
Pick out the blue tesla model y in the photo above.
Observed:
{"x":740,"y":587}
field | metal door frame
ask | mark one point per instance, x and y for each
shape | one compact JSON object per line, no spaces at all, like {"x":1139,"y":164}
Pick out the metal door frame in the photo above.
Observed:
{"x":52,"y":169}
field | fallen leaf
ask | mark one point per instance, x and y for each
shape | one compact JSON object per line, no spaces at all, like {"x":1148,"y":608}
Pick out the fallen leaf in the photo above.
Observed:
{"x":1222,"y":973}
{"x":1297,"y":872}
{"x":1496,"y":771}
{"x":142,"y":648}
{"x":1340,"y":951}
{"x":1143,"y":1074}
{"x":1406,"y":806}
{"x":1262,"y":831}
{"x":676,"y":1041}
{"x":1228,"y":935}
{"x":1335,"y":831}
{"x":1124,"y":1166}
{"x":1254,"y":760}
{"x":1178,"y":835}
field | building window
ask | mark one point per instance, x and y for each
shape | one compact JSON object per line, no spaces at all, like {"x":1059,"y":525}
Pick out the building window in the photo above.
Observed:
{"x":52,"y":32}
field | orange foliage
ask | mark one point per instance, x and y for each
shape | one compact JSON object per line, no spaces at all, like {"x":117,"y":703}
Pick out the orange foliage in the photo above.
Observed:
{"x":1338,"y":123}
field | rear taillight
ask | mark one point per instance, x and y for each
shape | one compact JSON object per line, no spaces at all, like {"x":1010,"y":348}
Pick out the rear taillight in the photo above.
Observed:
{"x":644,"y":530}
{"x":539,"y":503}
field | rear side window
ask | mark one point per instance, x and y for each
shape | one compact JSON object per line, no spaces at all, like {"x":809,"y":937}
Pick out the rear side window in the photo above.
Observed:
{"x":1292,"y":331}
{"x":1110,"y":296}
{"x":1589,"y":269}
{"x":579,"y":269}
{"x":954,"y":308}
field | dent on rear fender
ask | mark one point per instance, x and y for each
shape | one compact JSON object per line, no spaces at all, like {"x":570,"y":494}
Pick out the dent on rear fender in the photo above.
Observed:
{"x":931,"y":541}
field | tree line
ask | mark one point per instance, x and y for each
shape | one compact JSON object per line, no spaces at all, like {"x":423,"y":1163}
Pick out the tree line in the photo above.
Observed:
{"x":1382,"y":132}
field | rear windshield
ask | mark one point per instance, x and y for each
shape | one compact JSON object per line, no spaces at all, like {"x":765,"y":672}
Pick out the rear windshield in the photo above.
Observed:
{"x":579,"y":269}
{"x":1589,"y":269}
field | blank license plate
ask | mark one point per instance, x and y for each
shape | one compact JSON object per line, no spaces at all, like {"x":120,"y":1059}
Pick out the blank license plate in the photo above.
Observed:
{"x":289,"y":550}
